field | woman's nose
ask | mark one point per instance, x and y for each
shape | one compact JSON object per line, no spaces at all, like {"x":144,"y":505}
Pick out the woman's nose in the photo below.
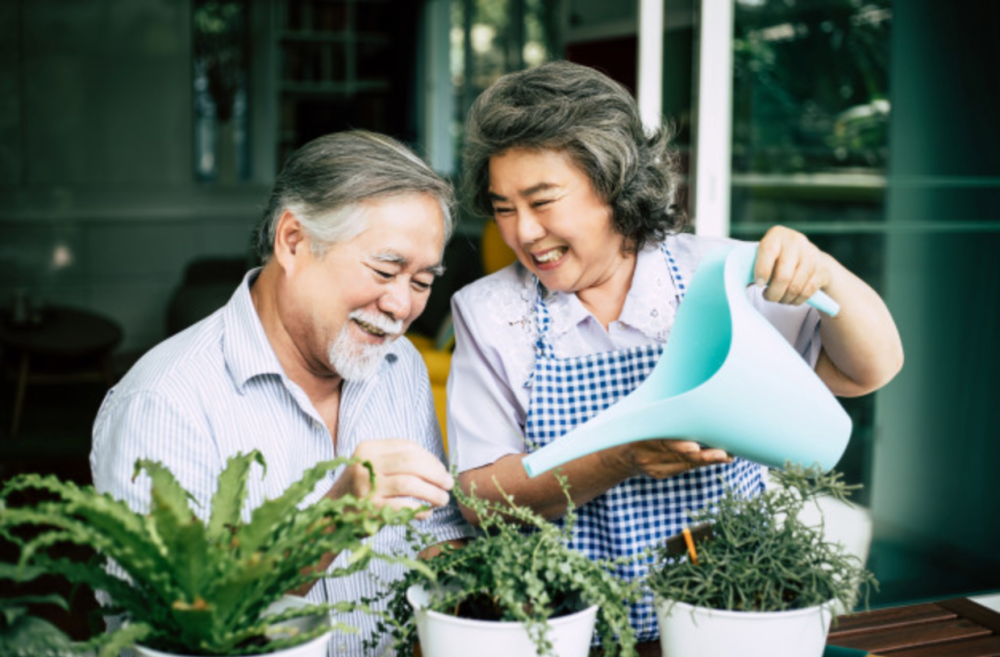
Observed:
{"x":529,"y":229}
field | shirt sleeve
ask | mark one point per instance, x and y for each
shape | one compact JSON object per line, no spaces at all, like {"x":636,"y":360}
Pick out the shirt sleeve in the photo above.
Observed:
{"x":798,"y":324}
{"x":145,"y":425}
{"x":483,"y":411}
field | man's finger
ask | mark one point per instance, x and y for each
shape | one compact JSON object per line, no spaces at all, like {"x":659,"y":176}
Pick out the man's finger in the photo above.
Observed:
{"x":411,"y":486}
{"x":392,"y":457}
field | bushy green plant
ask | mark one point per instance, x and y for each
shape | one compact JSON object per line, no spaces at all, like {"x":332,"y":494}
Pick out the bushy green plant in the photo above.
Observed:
{"x":761,"y":555}
{"x":23,"y":634}
{"x":519,"y":569}
{"x":195,"y":587}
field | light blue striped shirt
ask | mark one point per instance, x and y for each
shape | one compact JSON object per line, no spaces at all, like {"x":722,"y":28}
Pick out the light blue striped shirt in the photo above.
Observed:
{"x":217,"y":389}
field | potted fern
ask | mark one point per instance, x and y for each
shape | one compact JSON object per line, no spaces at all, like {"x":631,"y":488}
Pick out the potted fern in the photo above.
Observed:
{"x":23,"y":634}
{"x":516,"y":589}
{"x":755,"y":577}
{"x":193,"y":587}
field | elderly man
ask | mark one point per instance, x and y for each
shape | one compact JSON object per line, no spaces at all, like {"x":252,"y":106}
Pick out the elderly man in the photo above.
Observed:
{"x":304,"y":363}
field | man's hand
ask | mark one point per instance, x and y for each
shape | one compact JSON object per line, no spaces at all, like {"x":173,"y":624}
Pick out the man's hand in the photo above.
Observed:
{"x":406,"y":476}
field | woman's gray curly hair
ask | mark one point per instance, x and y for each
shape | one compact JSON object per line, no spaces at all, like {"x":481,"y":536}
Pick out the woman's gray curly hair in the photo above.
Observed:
{"x":577,"y":110}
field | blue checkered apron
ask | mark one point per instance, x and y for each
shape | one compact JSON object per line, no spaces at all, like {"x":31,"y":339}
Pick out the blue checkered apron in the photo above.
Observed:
{"x":640,"y":511}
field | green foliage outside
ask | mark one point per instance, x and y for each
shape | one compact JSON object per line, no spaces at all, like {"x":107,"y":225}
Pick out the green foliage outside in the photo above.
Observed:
{"x":811,"y":85}
{"x":762,"y":556}
{"x":195,"y":588}
{"x":521,"y":569}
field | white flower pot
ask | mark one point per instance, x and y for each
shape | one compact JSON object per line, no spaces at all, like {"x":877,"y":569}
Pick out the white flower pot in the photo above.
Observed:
{"x":687,"y":631}
{"x":442,"y":635}
{"x":314,"y":648}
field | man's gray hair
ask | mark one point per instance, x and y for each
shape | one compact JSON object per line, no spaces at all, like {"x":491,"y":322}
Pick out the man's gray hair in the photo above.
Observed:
{"x":579,"y":111}
{"x":325,"y":182}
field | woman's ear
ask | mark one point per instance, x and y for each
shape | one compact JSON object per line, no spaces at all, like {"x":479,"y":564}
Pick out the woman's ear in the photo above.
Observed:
{"x":289,"y":239}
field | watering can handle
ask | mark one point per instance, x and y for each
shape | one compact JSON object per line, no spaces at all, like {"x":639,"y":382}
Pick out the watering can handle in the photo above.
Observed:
{"x":820,"y":301}
{"x":823,"y":302}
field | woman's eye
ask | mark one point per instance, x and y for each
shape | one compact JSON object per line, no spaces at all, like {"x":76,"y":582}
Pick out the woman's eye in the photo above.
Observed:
{"x":539,"y":204}
{"x":502,"y":211}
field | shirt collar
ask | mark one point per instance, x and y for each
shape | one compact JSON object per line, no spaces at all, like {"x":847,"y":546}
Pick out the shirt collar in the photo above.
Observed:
{"x":649,"y":307}
{"x":247,"y":350}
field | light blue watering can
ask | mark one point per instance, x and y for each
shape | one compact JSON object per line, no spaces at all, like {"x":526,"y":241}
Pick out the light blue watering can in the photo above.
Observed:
{"x":727,"y":379}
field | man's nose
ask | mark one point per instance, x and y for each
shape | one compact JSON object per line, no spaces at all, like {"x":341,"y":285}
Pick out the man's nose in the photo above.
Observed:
{"x":396,"y":301}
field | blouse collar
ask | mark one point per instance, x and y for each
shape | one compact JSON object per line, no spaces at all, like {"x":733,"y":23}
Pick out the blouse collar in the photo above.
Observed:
{"x":649,"y":307}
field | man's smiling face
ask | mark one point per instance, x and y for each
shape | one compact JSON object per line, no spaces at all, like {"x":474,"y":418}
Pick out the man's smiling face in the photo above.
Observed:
{"x":360,"y":295}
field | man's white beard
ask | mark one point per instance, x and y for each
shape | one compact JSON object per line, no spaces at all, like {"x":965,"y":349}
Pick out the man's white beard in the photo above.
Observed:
{"x":354,"y":360}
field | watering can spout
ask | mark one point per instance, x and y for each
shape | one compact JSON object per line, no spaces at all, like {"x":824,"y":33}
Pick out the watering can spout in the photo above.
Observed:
{"x":726,"y":378}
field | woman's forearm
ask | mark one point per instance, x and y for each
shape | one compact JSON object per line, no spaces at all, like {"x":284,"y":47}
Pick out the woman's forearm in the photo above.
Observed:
{"x":861,"y":345}
{"x":588,"y":477}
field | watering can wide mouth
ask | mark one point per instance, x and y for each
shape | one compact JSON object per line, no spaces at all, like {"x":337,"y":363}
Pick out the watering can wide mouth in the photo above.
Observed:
{"x":727,"y":378}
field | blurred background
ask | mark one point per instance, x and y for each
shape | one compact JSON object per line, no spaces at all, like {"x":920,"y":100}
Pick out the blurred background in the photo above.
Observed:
{"x":139,"y":140}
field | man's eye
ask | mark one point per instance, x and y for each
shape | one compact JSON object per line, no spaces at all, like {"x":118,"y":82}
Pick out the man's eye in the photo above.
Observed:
{"x":423,"y":286}
{"x":538,"y":204}
{"x":502,"y":211}
{"x":384,"y":274}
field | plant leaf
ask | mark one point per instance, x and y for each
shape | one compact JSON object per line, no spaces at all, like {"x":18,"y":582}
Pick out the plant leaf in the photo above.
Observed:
{"x":110,"y":645}
{"x":180,"y":530}
{"x":230,"y":494}
{"x":270,"y":514}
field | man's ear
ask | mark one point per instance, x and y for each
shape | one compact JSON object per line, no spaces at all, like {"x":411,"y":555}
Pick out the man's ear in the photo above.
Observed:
{"x":289,"y":240}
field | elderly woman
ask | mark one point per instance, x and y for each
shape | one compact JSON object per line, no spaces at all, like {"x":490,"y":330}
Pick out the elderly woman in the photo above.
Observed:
{"x":558,"y":156}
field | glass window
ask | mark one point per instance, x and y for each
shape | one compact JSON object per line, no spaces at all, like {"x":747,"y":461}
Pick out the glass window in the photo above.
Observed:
{"x":220,"y":75}
{"x":493,"y":37}
{"x":901,"y":188}
{"x":810,"y":141}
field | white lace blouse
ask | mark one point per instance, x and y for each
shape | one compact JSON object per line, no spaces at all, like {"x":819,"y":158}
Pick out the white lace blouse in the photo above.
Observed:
{"x":495,"y":341}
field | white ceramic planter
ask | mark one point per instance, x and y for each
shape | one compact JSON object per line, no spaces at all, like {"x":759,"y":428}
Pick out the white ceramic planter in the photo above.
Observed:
{"x":315,"y":648}
{"x":442,"y":635}
{"x":687,"y":631}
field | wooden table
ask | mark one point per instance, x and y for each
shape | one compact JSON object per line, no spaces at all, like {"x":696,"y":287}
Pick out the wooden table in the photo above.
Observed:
{"x":68,"y":345}
{"x":951,"y":628}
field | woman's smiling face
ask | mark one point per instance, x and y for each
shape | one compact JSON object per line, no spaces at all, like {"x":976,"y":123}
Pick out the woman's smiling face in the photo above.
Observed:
{"x":549,"y":213}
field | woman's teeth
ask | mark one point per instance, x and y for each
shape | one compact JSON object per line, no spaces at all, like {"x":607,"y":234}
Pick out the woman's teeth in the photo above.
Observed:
{"x":551,"y":256}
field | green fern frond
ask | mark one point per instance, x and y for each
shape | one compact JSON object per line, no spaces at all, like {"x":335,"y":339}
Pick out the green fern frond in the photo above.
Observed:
{"x":187,"y":585}
{"x":230,"y":495}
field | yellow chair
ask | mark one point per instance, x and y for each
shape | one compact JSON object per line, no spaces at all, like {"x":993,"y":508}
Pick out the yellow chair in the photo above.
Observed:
{"x":436,"y":351}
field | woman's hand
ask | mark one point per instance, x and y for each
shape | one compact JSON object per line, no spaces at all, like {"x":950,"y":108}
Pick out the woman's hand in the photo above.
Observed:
{"x":792,"y":267}
{"x":862,"y":350}
{"x":589,"y":476}
{"x":664,"y":458}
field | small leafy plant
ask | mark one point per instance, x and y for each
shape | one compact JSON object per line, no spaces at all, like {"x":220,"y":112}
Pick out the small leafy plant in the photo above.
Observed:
{"x":519,"y":569}
{"x":194,"y":587}
{"x":761,"y":556}
{"x":23,"y":634}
